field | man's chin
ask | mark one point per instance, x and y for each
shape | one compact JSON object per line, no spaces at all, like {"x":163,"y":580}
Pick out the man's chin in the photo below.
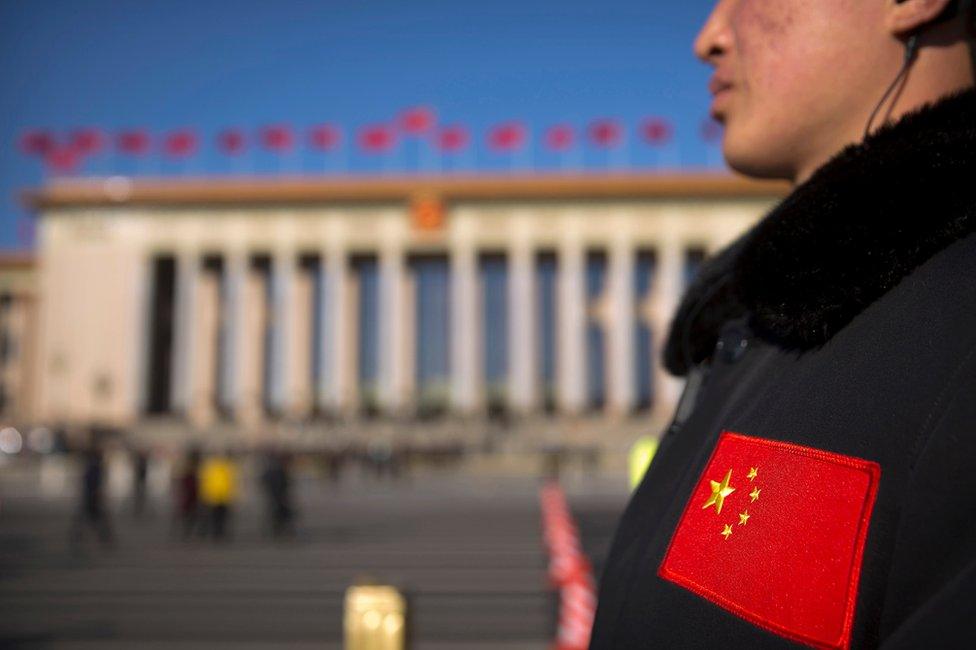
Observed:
{"x":754,"y":161}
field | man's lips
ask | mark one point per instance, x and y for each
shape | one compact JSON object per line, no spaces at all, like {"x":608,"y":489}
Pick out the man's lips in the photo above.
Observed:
{"x":717,"y":85}
{"x":719,"y":88}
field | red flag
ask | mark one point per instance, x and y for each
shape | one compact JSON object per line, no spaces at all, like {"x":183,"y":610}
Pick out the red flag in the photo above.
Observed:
{"x":377,"y":138}
{"x":180,"y":144}
{"x":452,"y":138}
{"x":62,"y":160}
{"x":136,"y":142}
{"x":417,"y":120}
{"x":560,"y":137}
{"x":507,"y":136}
{"x":231,"y":141}
{"x":711,"y":131}
{"x":277,"y":137}
{"x":324,"y":137}
{"x":656,"y":131}
{"x":774,"y":533}
{"x":606,"y":133}
{"x":87,"y":141}
{"x":36,"y":142}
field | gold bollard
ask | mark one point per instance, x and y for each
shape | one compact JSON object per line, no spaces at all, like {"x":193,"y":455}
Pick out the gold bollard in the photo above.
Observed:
{"x":375,"y":618}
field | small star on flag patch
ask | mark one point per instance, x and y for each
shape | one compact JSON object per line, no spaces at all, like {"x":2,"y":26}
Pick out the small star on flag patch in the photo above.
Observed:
{"x":774,"y":533}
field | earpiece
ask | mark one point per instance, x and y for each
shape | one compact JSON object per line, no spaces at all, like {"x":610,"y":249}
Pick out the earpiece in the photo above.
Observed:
{"x":953,"y":9}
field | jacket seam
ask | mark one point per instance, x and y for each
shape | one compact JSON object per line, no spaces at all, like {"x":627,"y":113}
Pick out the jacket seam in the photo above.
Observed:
{"x":948,"y":391}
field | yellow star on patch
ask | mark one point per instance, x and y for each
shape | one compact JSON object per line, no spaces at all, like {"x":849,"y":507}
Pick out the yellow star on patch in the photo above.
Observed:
{"x":726,"y":531}
{"x":752,"y":473}
{"x":719,"y":492}
{"x":744,"y":517}
{"x":754,"y":494}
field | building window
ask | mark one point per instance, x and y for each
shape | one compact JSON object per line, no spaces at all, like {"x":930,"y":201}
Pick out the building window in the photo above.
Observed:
{"x":365,"y":272}
{"x":596,"y":339}
{"x":493,"y":271}
{"x":261,"y":268}
{"x":645,"y":266}
{"x":694,"y":258}
{"x":432,"y":334}
{"x":315,"y":268}
{"x":161,"y":313}
{"x":546,"y":270}
{"x":212,"y":277}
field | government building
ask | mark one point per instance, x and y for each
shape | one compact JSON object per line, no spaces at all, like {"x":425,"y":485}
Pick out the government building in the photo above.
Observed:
{"x":277,"y":304}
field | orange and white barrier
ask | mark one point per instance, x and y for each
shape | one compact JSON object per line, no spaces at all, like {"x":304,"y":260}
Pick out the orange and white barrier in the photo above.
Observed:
{"x":569,"y":571}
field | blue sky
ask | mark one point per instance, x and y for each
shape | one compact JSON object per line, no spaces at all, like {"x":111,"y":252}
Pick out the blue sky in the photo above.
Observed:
{"x":163,"y":65}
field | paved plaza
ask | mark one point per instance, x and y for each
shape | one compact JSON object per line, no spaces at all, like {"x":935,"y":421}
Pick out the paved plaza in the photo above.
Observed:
{"x":466,"y":551}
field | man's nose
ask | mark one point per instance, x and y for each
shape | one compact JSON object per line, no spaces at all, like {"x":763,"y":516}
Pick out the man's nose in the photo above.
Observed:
{"x":713,"y":40}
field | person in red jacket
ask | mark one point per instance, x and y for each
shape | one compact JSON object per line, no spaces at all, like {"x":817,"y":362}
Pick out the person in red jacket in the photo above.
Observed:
{"x":816,"y":485}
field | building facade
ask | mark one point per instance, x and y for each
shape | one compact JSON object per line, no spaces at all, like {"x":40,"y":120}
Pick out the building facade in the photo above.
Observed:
{"x":18,"y":337}
{"x":292,"y":300}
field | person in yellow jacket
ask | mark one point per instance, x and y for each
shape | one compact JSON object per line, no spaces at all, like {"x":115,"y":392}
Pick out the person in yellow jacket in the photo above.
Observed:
{"x":218,"y":491}
{"x":639,"y":459}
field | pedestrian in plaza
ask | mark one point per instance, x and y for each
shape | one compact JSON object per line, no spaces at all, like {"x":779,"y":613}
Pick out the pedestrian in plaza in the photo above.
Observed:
{"x":186,"y":491}
{"x":92,"y":513}
{"x":218,"y":493}
{"x":276,"y":481}
{"x":815,"y":487}
{"x":140,"y":472}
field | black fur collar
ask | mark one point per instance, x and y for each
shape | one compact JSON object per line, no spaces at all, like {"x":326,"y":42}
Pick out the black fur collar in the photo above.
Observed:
{"x":839,"y":241}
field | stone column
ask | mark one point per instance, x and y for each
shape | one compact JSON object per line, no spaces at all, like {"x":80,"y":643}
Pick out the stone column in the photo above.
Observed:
{"x":465,"y":329}
{"x":571,"y":314}
{"x":282,"y":317}
{"x":254,"y":312}
{"x":337,"y":342}
{"x":523,"y":380}
{"x":234,"y":314}
{"x":142,"y":291}
{"x":393,"y":375}
{"x":187,"y":277}
{"x":667,"y":290}
{"x":204,"y":362}
{"x":619,"y":327}
{"x":300,"y":350}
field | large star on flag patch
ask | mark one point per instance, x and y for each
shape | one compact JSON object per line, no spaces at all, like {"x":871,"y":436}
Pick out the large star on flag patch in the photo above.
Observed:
{"x":774,"y":533}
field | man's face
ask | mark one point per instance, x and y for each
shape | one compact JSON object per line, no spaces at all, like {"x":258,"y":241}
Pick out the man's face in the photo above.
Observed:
{"x":793,"y":78}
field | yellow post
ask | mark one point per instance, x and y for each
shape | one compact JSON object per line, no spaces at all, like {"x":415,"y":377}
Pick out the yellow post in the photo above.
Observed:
{"x":375,"y":618}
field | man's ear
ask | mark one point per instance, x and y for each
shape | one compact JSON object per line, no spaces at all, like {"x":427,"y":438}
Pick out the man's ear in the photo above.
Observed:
{"x":907,"y":16}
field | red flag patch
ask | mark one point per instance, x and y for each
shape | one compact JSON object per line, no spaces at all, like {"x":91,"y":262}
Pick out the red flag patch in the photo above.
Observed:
{"x":774,"y":533}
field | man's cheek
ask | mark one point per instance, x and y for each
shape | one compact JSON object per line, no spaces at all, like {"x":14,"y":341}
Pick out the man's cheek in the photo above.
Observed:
{"x":762,"y":26}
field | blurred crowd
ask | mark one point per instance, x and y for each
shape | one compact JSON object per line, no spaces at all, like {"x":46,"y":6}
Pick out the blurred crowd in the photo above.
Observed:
{"x":108,"y":472}
{"x":203,"y":486}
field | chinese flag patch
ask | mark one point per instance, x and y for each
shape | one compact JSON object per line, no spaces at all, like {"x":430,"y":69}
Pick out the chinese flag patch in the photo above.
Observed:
{"x":774,"y":533}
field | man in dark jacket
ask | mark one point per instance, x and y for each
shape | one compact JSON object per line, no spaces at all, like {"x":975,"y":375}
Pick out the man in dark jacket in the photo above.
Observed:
{"x":817,"y":486}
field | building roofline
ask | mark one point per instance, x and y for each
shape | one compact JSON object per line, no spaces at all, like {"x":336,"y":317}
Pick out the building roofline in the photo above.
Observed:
{"x":120,"y":190}
{"x":10,"y":259}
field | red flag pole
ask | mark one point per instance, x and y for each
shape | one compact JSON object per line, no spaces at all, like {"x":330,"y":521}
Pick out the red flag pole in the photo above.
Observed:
{"x":469,"y":159}
{"x":603,"y":134}
{"x":658,"y":133}
{"x":418,"y":123}
{"x":454,"y":140}
{"x":623,"y":149}
{"x":561,"y":138}
{"x":136,"y":144}
{"x":323,"y":138}
{"x":280,"y":140}
{"x":525,"y":153}
{"x":233,"y":144}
